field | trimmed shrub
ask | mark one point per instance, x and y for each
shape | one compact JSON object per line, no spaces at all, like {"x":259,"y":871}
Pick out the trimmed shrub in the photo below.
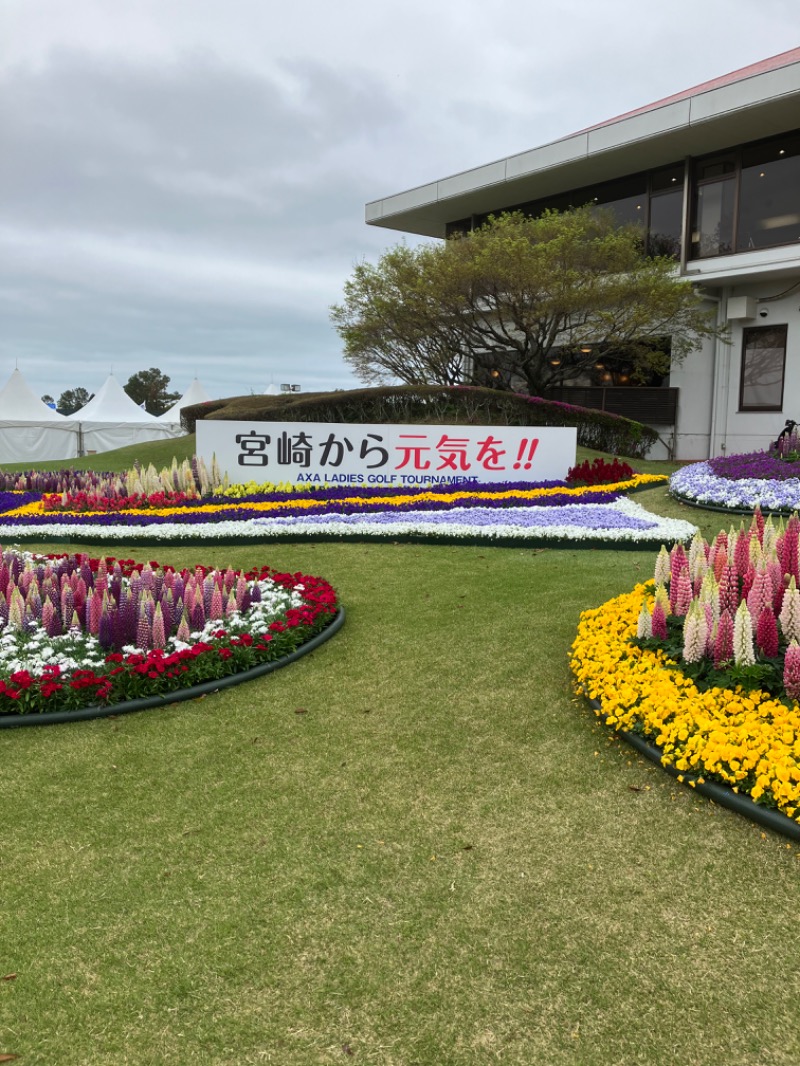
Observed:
{"x":434,"y":405}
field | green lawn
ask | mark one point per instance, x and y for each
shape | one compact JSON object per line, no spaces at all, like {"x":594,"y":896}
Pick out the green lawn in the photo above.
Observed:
{"x":413,"y":846}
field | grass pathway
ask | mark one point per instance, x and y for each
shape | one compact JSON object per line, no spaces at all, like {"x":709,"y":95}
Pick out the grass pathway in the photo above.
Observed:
{"x":412,"y":847}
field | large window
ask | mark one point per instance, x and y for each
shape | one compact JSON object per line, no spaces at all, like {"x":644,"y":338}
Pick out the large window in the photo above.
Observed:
{"x":747,"y":198}
{"x":652,"y":200}
{"x":769,"y":194}
{"x":763,"y":364}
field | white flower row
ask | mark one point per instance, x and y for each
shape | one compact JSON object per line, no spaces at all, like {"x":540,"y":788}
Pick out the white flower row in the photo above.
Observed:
{"x":588,"y":522}
{"x":699,"y":482}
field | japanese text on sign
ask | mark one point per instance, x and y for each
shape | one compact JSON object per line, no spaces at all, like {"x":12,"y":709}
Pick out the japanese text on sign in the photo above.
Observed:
{"x":357,"y":454}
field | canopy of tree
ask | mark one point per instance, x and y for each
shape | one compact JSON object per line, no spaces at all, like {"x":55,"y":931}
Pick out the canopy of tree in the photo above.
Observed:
{"x":149,"y":388}
{"x":73,"y":400}
{"x":526,"y":301}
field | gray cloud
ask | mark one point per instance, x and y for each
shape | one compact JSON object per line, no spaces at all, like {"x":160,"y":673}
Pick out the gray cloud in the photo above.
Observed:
{"x":182,"y":185}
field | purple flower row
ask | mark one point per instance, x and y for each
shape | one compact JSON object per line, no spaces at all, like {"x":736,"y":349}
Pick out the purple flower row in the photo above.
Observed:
{"x":761,"y":465}
{"x":241,"y":511}
{"x":584,"y":516}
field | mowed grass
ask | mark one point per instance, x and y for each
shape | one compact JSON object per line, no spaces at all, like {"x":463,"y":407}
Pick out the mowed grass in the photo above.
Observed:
{"x":413,"y":846}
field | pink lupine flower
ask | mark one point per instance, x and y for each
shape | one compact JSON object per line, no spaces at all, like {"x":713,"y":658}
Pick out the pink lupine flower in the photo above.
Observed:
{"x":157,"y":635}
{"x":184,"y":633}
{"x":757,"y":525}
{"x":723,"y":640}
{"x":778,"y":588}
{"x":788,"y":554}
{"x":747,"y":582}
{"x":241,"y":589}
{"x":658,"y":621}
{"x":791,"y":671}
{"x":720,"y":562}
{"x":682,"y":593}
{"x":741,"y":553}
{"x":216,"y":610}
{"x":677,"y":561}
{"x":711,"y":625}
{"x":760,"y":594}
{"x":767,"y":633}
{"x":144,"y":633}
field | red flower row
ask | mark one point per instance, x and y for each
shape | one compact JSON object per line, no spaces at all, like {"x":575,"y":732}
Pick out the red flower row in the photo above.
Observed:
{"x":155,"y":671}
{"x":87,"y":501}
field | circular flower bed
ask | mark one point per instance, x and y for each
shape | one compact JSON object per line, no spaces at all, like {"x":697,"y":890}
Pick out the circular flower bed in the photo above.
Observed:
{"x":704,"y":663}
{"x":740,"y":483}
{"x":81,"y":636}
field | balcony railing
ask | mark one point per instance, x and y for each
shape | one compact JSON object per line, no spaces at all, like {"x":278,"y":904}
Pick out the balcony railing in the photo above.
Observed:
{"x":652,"y":406}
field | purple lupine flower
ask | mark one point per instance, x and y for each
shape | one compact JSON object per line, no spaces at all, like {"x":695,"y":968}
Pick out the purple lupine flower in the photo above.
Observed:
{"x":143,"y":630}
{"x":158,"y":635}
{"x":107,"y":629}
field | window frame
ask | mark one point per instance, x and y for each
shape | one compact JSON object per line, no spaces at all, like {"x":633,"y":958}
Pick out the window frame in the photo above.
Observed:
{"x":748,"y":332}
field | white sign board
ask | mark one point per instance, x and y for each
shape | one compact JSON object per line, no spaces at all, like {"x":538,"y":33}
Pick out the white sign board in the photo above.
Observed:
{"x":333,"y":453}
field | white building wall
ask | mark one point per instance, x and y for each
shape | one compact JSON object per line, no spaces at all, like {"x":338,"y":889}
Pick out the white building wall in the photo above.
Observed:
{"x":737,"y":431}
{"x":709,"y":421}
{"x":695,"y":380}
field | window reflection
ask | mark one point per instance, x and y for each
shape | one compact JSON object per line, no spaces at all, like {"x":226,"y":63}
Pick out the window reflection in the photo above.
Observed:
{"x":712,"y":233}
{"x":763,"y":362}
{"x":769,"y":195}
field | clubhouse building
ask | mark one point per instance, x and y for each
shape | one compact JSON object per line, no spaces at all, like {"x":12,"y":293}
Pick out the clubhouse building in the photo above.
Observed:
{"x":712,"y":176}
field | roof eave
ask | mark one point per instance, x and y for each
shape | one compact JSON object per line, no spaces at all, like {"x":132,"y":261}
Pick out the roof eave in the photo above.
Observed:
{"x":749,"y":109}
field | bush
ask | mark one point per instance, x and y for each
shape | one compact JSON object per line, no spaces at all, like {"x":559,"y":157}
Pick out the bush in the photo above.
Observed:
{"x":436,"y":405}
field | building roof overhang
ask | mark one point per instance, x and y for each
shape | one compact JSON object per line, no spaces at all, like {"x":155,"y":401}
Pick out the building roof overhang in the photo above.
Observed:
{"x":758,"y":101}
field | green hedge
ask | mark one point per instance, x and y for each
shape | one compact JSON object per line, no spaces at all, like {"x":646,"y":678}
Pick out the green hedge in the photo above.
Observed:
{"x":435,"y":405}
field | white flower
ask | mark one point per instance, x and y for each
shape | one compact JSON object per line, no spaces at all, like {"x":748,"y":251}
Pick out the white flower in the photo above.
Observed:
{"x":743,"y":652}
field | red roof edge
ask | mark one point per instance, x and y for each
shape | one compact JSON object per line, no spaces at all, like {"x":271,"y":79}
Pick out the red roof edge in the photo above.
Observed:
{"x":784,"y":59}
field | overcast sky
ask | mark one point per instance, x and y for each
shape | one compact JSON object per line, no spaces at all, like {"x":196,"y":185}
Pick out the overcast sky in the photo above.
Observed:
{"x":182,"y":182}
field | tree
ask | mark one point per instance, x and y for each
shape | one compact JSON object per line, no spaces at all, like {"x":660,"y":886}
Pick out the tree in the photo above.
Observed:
{"x":526,"y":300}
{"x":73,"y":400}
{"x":47,"y":398}
{"x":393,"y":321}
{"x":149,"y":388}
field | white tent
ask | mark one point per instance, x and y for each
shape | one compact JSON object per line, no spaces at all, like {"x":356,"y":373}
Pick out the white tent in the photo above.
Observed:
{"x":30,"y":431}
{"x":194,"y":394}
{"x":111,"y":419}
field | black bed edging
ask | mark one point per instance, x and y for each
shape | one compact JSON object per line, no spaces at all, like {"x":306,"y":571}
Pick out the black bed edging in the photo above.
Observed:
{"x":10,"y":721}
{"x":738,"y":802}
{"x":781,"y":512}
{"x":537,"y":543}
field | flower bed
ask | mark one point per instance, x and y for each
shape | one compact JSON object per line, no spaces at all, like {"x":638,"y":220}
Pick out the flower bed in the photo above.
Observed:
{"x":704,"y":662}
{"x":501,"y":514}
{"x":740,"y":483}
{"x":79,"y":633}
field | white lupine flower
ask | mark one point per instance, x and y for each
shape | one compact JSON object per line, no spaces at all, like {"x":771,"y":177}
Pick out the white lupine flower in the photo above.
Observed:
{"x":709,"y":594}
{"x":743,"y":652}
{"x":697,"y":551}
{"x":770,"y":537}
{"x":695,"y":633}
{"x":644,"y":626}
{"x":790,"y":612}
{"x":663,"y":570}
